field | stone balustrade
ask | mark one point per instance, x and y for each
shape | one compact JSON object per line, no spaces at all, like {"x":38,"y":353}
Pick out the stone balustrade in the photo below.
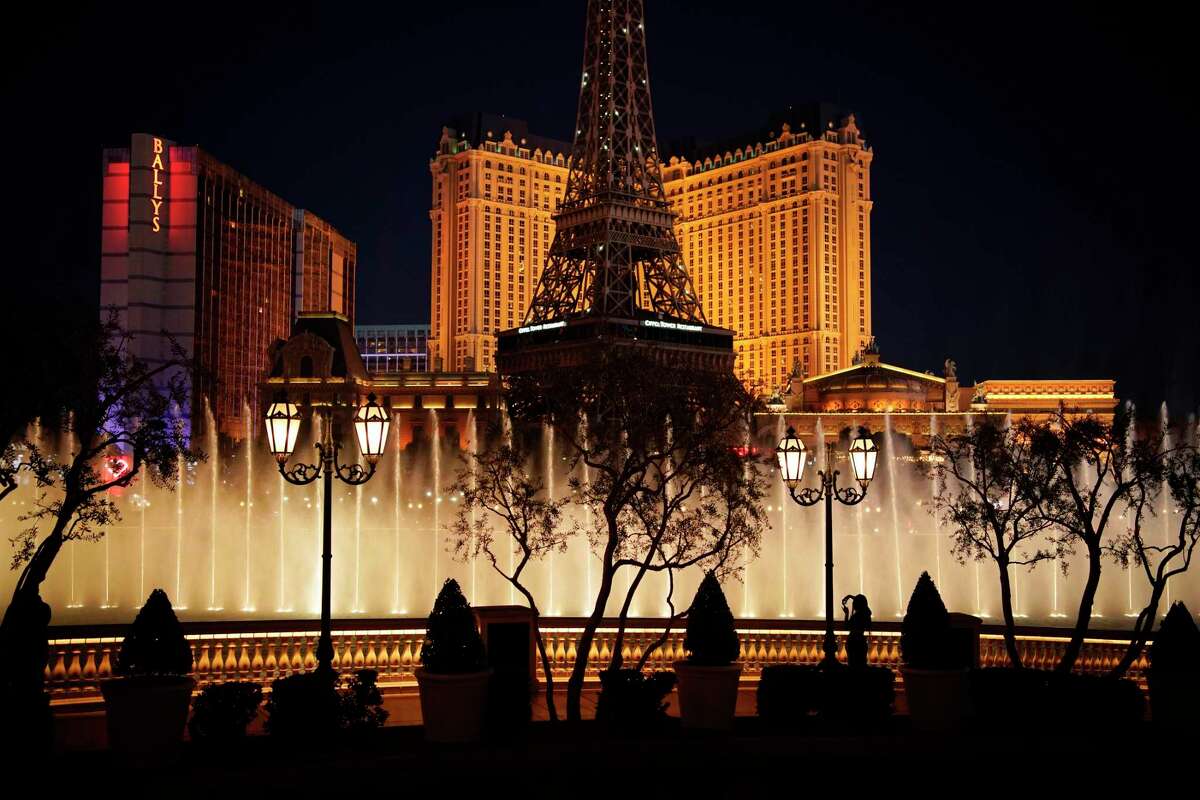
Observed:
{"x":77,"y":664}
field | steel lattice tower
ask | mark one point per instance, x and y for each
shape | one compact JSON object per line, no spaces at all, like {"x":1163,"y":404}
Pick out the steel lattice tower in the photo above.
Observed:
{"x":615,"y":265}
{"x":614,"y":247}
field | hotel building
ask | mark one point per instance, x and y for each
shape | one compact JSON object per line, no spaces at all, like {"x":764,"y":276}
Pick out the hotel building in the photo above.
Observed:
{"x":387,"y":349}
{"x":774,"y":227}
{"x":195,"y":252}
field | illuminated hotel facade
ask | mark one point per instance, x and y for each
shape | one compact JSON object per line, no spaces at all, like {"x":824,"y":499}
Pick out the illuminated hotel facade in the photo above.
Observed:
{"x":387,"y":349}
{"x":191,"y":250}
{"x":775,"y":229}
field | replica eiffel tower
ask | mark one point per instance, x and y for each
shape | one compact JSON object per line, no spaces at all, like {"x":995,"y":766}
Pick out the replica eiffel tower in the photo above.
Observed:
{"x":614,"y":273}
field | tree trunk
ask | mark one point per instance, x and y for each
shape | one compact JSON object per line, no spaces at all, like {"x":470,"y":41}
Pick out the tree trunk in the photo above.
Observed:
{"x":1085,"y":610}
{"x":618,"y":657}
{"x":551,"y":709}
{"x":1141,"y":631}
{"x":35,"y":572}
{"x":24,"y":632}
{"x":662,"y":639}
{"x":579,"y":669}
{"x":1010,"y":633}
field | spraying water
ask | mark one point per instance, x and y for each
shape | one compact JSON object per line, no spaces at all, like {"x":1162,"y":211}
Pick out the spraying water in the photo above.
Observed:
{"x":397,"y":470}
{"x":247,"y":603}
{"x":548,"y":467}
{"x":435,"y":496}
{"x":215,"y":484}
{"x":195,"y":541}
{"x":892,"y":492}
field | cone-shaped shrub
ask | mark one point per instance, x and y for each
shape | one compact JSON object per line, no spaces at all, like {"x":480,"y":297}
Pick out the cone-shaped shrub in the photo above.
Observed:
{"x":711,"y":640}
{"x":925,"y":638}
{"x":1176,"y":648}
{"x":155,"y":644}
{"x":452,"y":642}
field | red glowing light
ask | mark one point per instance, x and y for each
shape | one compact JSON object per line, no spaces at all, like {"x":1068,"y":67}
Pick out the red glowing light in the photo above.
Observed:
{"x":116,"y":467}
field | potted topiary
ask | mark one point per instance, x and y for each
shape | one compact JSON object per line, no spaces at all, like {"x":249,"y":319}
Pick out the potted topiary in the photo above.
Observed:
{"x":708,"y":679}
{"x":453,"y":676}
{"x":935,"y":680}
{"x":146,"y":705}
{"x":1174,"y":675}
{"x":222,"y":711}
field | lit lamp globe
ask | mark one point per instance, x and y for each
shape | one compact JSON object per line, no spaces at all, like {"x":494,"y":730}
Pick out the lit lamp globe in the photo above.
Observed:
{"x":283,"y":427}
{"x":863,"y":457}
{"x":792,"y":458}
{"x":371,"y":426}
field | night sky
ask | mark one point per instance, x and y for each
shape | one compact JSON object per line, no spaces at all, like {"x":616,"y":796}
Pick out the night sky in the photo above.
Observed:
{"x":1034,"y":172}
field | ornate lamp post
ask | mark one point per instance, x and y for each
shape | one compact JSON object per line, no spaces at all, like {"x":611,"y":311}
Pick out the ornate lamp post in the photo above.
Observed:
{"x":793,"y":457}
{"x":371,"y":428}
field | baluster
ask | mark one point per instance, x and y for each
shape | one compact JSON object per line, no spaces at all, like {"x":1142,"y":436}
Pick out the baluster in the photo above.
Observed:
{"x":395,"y":662}
{"x":74,"y":670}
{"x":338,"y":656}
{"x":418,"y":642}
{"x":572,"y":652}
{"x":406,"y":657}
{"x":220,"y":665}
{"x":359,"y":660}
{"x":304,"y":652}
{"x":89,"y":662}
{"x":105,"y":670}
{"x":203,"y":665}
{"x":257,"y":663}
{"x":270,"y":663}
{"x":372,"y":660}
{"x":243,"y":662}
{"x":56,"y":667}
{"x":231,"y":661}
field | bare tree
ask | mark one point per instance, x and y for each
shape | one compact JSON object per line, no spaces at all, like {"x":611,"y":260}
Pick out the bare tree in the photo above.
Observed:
{"x":498,"y":491}
{"x":631,"y":416}
{"x":116,"y":406}
{"x":1099,"y":468}
{"x":992,"y":480}
{"x":708,"y":517}
{"x":1160,"y":562}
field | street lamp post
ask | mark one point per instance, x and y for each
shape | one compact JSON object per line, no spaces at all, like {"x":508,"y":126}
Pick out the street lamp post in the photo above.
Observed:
{"x":371,"y":428}
{"x":793,"y":457}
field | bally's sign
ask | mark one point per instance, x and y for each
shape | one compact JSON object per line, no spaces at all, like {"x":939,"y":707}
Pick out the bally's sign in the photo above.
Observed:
{"x":158,"y":172}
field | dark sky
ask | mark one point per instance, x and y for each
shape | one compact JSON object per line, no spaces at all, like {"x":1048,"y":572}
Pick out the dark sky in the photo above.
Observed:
{"x":1034,"y":176}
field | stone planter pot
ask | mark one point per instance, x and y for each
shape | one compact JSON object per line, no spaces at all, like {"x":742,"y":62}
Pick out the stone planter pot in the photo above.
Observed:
{"x":1174,"y":698}
{"x":453,"y":706}
{"x":707,"y":695}
{"x":146,"y":716}
{"x":938,"y":699}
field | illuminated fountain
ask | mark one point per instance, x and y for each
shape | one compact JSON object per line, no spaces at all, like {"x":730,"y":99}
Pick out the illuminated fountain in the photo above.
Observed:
{"x":233,"y":543}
